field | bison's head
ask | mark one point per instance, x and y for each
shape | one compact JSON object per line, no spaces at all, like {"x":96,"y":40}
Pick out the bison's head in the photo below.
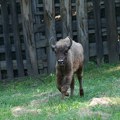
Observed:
{"x":61,"y":49}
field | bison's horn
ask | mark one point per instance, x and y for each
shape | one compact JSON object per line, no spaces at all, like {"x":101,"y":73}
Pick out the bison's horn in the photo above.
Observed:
{"x":53,"y":47}
{"x":52,"y":42}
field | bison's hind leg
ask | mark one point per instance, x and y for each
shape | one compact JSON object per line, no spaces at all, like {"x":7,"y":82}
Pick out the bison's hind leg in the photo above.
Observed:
{"x":79,"y":75}
{"x":72,"y":86}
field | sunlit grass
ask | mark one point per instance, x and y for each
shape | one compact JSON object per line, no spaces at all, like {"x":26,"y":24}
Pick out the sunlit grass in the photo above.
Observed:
{"x":39,"y":98}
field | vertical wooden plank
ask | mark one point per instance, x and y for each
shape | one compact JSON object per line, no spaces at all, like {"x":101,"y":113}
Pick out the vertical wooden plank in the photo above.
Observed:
{"x":98,"y":35}
{"x":34,"y":3}
{"x":18,"y":49}
{"x":0,"y":73}
{"x":111,"y":31}
{"x":49,"y":17}
{"x":82,"y":26}
{"x":26,"y":7}
{"x":65,"y":11}
{"x":5,"y":20}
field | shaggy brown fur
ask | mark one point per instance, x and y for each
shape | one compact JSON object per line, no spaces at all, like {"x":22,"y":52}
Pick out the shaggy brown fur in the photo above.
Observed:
{"x":70,"y":57}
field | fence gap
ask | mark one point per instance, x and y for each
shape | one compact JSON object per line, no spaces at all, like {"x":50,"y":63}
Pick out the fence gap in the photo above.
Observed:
{"x":5,"y":20}
{"x":16,"y":36}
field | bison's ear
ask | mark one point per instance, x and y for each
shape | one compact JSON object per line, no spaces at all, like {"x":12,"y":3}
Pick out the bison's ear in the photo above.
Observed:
{"x":70,"y":44}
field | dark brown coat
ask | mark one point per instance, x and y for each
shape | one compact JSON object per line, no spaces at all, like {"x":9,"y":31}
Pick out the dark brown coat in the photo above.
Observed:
{"x":70,"y":58}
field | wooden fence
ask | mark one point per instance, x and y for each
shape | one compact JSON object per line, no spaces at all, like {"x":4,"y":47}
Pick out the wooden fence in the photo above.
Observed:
{"x":26,"y":27}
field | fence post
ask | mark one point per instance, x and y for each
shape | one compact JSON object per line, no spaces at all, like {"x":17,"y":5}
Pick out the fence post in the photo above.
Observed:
{"x":16,"y":36}
{"x":82,"y":26}
{"x":0,"y":73}
{"x":5,"y":20}
{"x":111,"y":31}
{"x":98,"y":35}
{"x":65,"y":10}
{"x":26,"y":7}
{"x":49,"y":17}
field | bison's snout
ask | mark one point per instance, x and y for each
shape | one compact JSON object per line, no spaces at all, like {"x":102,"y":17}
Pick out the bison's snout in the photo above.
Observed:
{"x":61,"y":62}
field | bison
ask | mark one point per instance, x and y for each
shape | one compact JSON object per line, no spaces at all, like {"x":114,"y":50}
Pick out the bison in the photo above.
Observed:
{"x":69,"y":61}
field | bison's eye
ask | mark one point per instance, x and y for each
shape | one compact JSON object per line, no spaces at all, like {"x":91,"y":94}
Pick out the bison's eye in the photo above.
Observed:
{"x":55,"y":52}
{"x":66,"y":52}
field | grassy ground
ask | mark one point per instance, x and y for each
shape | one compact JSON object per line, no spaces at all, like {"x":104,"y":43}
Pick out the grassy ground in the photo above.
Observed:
{"x":38,"y":99}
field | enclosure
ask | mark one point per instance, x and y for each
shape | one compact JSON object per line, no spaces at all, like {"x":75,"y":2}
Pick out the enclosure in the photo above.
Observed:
{"x":26,"y":27}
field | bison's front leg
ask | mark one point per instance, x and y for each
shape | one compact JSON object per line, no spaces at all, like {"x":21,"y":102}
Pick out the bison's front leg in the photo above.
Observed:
{"x":64,"y":89}
{"x":66,"y":85}
{"x":60,"y":82}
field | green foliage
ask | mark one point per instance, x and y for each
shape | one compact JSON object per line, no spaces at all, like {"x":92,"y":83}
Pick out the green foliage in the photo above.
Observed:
{"x":39,"y":99}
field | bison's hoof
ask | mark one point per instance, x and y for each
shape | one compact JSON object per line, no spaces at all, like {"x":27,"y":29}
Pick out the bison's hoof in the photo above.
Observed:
{"x":81,"y":92}
{"x":66,"y":94}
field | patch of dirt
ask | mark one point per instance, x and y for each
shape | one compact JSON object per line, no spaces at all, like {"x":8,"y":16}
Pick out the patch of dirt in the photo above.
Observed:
{"x":46,"y":94}
{"x":100,"y":101}
{"x":115,"y":100}
{"x":86,"y":112}
{"x":45,"y":98}
{"x":36,"y":103}
{"x":19,"y":110}
{"x":43,"y":94}
{"x":17,"y":94}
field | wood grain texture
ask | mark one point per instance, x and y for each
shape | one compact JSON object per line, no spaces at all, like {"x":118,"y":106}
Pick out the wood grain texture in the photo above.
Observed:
{"x":5,"y":20}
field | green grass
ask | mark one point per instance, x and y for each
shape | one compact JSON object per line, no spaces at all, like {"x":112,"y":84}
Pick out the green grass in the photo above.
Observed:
{"x":39,"y":98}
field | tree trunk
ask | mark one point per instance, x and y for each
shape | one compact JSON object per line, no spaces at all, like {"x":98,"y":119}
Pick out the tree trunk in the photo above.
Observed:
{"x":49,"y":15}
{"x":32,"y":66}
{"x":82,"y":26}
{"x":65,"y":10}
